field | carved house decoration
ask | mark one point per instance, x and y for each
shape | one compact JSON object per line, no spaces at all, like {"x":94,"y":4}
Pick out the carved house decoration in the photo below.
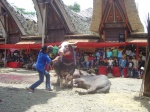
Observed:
{"x":115,"y":20}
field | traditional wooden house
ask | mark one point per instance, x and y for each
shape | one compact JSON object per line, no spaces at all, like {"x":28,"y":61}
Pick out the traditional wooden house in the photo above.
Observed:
{"x":57,"y":23}
{"x":14,"y":25}
{"x":116,"y":20}
{"x":119,"y":21}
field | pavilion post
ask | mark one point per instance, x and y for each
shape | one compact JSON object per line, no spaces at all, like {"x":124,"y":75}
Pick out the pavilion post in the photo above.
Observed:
{"x":44,"y":3}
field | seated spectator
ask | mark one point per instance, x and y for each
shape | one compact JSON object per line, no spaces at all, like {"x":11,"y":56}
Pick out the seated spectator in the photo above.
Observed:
{"x":141,"y":72}
{"x":115,"y":62}
{"x":101,"y":61}
{"x":128,"y":52}
{"x":105,"y":62}
{"x":132,"y":53}
{"x":110,"y":65}
{"x":91,"y":60}
{"x":86,"y":61}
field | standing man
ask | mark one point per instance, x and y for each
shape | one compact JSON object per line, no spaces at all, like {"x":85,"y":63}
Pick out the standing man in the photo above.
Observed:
{"x":122,"y":65}
{"x":42,"y":60}
{"x":115,"y":52}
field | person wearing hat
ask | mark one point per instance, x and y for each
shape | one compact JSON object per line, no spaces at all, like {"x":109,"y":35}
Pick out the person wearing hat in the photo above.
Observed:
{"x":141,"y":72}
{"x":42,"y":60}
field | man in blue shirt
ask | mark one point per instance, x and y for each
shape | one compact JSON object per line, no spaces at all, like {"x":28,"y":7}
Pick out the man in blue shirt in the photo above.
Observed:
{"x":122,"y":65}
{"x":42,"y":60}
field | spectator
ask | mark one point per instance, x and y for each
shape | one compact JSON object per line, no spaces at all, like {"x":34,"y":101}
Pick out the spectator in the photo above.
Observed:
{"x":115,"y":52}
{"x":122,"y":65}
{"x":101,"y":61}
{"x":115,"y":62}
{"x":128,"y":52}
{"x":141,"y":72}
{"x":86,"y":61}
{"x":98,"y":54}
{"x":109,"y":53}
{"x":91,"y":60}
{"x":132,"y":53}
{"x":130,"y":68}
{"x":119,"y":54}
{"x":135,"y":67}
{"x":127,"y":61}
{"x":105,"y":62}
{"x":110,"y":65}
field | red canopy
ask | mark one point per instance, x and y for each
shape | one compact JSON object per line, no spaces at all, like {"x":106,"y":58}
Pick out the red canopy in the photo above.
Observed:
{"x":79,"y":45}
{"x":25,"y":46}
{"x":98,"y":45}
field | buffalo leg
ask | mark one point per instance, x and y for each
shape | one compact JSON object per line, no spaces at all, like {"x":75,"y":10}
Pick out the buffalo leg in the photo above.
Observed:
{"x":105,"y":89}
{"x":61,"y":83}
{"x":91,"y":90}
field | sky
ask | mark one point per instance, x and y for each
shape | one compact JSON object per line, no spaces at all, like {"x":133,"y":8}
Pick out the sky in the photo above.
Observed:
{"x":28,"y":4}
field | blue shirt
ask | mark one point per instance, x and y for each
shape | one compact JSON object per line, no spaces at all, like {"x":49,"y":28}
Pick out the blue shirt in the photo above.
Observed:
{"x":119,"y":54}
{"x":109,"y":54}
{"x":98,"y":55}
{"x":42,"y":60}
{"x":122,"y":63}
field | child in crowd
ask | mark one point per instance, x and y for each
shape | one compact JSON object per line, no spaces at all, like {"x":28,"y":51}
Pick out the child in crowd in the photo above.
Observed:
{"x":141,"y":72}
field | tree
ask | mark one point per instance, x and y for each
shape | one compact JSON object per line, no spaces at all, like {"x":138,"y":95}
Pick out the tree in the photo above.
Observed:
{"x":23,"y":11}
{"x":75,"y":7}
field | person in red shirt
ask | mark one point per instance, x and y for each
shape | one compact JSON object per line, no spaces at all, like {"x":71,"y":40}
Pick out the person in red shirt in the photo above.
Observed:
{"x":91,"y":60}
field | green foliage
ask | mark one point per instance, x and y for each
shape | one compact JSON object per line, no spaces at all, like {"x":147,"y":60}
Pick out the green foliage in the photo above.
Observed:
{"x":23,"y":11}
{"x":75,"y":7}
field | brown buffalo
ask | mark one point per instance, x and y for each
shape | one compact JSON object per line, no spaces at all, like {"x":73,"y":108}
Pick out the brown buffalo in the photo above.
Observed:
{"x":64,"y":66}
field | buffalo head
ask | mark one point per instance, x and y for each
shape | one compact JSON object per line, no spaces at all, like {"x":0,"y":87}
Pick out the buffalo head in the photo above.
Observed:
{"x":64,"y":47}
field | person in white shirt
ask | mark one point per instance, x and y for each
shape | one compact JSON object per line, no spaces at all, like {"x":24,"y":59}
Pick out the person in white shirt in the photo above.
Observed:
{"x":128,"y":52}
{"x":110,"y":65}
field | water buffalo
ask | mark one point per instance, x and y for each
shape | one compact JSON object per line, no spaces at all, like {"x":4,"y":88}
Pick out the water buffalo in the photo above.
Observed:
{"x":94,"y":84}
{"x":64,"y":66}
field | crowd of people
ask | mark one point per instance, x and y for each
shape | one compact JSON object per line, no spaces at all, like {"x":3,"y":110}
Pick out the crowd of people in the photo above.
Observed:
{"x":113,"y":57}
{"x":110,"y":57}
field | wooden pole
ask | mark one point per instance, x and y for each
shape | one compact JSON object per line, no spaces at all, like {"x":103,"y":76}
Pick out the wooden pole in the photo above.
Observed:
{"x":4,"y":30}
{"x":44,"y":24}
{"x":147,"y":67}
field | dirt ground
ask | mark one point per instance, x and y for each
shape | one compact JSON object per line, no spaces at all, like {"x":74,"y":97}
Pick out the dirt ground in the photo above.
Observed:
{"x":123,"y":96}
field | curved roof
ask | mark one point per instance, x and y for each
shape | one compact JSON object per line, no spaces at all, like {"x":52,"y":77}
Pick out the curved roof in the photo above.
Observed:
{"x":131,"y":10}
{"x":27,"y":26}
{"x":76,"y":22}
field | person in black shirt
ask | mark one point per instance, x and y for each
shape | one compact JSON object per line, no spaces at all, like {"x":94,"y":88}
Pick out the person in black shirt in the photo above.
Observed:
{"x":130,"y":68}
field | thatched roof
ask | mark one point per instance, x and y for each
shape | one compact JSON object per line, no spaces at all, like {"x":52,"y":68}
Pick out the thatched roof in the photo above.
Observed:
{"x":78,"y":23}
{"x":26,"y":25}
{"x":132,"y":13}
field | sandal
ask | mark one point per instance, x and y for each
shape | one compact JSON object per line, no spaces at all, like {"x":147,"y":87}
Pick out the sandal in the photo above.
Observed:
{"x":30,"y":90}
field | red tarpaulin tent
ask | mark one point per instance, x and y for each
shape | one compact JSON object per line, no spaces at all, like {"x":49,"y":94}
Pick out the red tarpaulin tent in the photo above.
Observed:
{"x":78,"y":44}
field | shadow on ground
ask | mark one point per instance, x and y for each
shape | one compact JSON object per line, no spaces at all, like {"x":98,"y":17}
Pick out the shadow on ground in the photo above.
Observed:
{"x":19,"y":100}
{"x":145,"y":102}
